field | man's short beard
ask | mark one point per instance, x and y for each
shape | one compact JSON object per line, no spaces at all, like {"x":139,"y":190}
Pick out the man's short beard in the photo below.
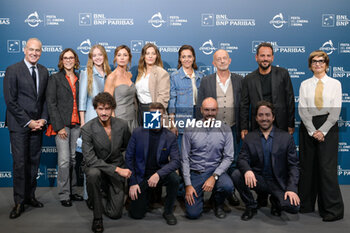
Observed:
{"x":263,"y":67}
{"x":100,"y":118}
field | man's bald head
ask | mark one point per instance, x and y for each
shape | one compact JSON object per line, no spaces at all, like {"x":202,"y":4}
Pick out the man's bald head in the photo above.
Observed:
{"x":221,"y":60}
{"x":220,"y":52}
{"x":209,"y":108}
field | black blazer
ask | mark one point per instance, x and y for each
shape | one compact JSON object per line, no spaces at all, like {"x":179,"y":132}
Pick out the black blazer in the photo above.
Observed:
{"x":60,"y":100}
{"x":282,"y":98}
{"x":22,"y":101}
{"x":207,"y":89}
{"x":284,"y":159}
{"x":100,"y":152}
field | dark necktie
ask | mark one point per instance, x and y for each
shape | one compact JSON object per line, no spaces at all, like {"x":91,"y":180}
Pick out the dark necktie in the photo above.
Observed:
{"x":34,"y":77}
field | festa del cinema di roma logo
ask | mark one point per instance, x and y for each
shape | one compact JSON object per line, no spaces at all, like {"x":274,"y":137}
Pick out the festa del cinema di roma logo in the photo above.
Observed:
{"x":208,"y":47}
{"x":85,"y":46}
{"x":328,"y":47}
{"x":157,"y":20}
{"x":33,"y":19}
{"x":152,"y":120}
{"x":278,"y":21}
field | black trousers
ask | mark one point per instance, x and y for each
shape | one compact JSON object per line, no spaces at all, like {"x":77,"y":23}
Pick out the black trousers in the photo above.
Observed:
{"x":141,"y":109}
{"x":263,"y":186}
{"x":138,"y":207}
{"x":26,"y":151}
{"x":318,"y":172}
{"x":106,"y":193}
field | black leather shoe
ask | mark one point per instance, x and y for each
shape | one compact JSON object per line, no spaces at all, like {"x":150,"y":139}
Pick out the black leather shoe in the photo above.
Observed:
{"x":170,"y":219}
{"x":329,"y":218}
{"x":16,"y":211}
{"x":262,"y":200}
{"x":89,"y":204}
{"x":66,"y":203}
{"x":35,"y":203}
{"x":275,"y":209}
{"x":76,"y":197}
{"x":233,"y":200}
{"x":97,"y":225}
{"x":248,"y":214}
{"x":219,"y":212}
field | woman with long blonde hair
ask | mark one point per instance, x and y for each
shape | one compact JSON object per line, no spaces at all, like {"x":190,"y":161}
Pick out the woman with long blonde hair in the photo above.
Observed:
{"x":153,"y":82}
{"x":92,"y":81}
{"x":119,"y":85}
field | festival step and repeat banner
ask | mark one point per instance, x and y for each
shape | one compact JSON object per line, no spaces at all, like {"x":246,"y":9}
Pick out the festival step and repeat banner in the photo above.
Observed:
{"x":294,"y":28}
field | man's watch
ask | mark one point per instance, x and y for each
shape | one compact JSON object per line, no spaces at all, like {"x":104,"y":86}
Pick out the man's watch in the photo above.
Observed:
{"x":216,"y":176}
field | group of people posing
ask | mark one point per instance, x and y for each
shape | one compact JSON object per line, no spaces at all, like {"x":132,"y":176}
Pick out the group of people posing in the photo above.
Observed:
{"x":251,"y":149}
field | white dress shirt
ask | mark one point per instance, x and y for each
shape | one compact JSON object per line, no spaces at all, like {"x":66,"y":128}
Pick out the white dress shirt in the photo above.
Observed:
{"x":225,"y":85}
{"x":332,"y":101}
{"x":142,"y":87}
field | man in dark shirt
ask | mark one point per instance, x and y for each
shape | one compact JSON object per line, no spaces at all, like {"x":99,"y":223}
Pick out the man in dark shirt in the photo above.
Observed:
{"x":269,"y":83}
{"x":147,"y":156}
{"x":268,"y":163}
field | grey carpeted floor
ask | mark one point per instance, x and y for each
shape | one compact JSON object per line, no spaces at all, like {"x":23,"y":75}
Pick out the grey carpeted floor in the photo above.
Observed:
{"x":55,"y":218}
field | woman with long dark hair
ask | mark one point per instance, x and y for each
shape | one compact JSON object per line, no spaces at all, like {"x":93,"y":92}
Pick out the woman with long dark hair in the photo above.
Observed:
{"x":184,"y":84}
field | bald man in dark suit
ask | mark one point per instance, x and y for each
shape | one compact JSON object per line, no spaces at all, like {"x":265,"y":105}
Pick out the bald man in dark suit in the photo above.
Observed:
{"x":26,"y":116}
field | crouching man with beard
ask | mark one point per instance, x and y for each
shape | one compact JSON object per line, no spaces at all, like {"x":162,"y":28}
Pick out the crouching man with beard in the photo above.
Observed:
{"x":104,"y":140}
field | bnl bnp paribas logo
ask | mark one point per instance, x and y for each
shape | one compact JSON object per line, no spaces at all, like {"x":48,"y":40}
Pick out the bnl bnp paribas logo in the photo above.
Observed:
{"x":85,"y":19}
{"x":4,"y":21}
{"x":328,"y":47}
{"x":33,"y":19}
{"x":13,"y":46}
{"x":280,"y":48}
{"x":332,"y":20}
{"x":207,"y":47}
{"x":85,"y":46}
{"x":136,"y":46}
{"x":152,"y":120}
{"x":157,"y":20}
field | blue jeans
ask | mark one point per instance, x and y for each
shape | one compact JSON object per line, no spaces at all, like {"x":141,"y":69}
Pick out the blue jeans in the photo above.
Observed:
{"x":66,"y":176}
{"x":222,"y":188}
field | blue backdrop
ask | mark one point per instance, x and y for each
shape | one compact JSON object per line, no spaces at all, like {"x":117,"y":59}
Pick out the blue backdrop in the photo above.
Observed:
{"x":295,"y":28}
